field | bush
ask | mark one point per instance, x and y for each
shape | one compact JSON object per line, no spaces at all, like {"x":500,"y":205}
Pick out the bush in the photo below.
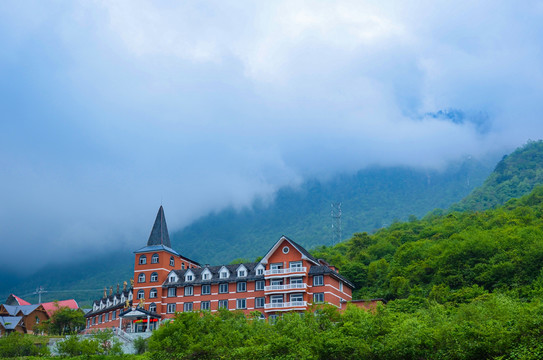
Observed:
{"x":140,"y":345}
{"x":16,"y":344}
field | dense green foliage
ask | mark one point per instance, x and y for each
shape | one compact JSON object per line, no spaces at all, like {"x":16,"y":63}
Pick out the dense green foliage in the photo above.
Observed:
{"x":16,"y":344}
{"x":101,"y":343}
{"x":454,"y":257}
{"x":63,"y":321}
{"x":514,"y":176}
{"x":491,"y":327}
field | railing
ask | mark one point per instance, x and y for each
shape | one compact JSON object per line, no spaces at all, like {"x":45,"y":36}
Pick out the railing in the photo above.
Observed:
{"x":285,"y":287}
{"x":280,"y":305}
{"x":285,"y":271}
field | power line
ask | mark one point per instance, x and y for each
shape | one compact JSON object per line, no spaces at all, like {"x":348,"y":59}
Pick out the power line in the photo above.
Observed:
{"x":336,"y":222}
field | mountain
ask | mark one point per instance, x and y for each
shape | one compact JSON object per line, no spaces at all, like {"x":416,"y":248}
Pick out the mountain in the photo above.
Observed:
{"x":515,"y":175}
{"x":370,"y":199}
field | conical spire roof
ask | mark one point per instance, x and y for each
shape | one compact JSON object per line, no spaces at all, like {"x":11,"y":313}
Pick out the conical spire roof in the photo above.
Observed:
{"x":159,"y":233}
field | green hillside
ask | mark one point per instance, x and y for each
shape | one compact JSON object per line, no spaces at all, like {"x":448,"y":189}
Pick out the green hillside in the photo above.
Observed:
{"x":370,"y":199}
{"x":515,"y":175}
{"x":452,"y":257}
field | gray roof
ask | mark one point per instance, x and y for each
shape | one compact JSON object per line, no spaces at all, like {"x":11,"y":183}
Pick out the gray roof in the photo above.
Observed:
{"x":251,"y":275}
{"x":301,"y":249}
{"x":13,"y":310}
{"x":104,"y":300}
{"x":159,"y":233}
{"x":322,"y":270}
{"x":10,"y":322}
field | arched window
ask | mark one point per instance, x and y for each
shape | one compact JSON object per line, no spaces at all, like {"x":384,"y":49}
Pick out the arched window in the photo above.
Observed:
{"x":143,"y":259}
{"x":153,"y":294}
{"x":154,"y":277}
{"x":141,"y":294}
{"x":183,"y":266}
{"x":141,"y":277}
{"x":172,"y":261}
{"x":152,"y":307}
{"x":154,"y":259}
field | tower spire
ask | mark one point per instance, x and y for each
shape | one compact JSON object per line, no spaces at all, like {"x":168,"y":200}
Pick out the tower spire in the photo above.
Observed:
{"x":159,"y":233}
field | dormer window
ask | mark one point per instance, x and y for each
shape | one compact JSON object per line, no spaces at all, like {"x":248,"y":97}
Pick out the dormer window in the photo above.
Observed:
{"x":260,"y":270}
{"x":173,"y":278}
{"x":188,"y":278}
{"x":154,"y":259}
{"x":206,"y":275}
{"x":224,"y":273}
{"x":242,"y":273}
{"x":143,"y":259}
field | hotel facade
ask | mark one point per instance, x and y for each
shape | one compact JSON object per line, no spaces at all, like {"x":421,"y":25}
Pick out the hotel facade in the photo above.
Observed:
{"x":287,"y":278}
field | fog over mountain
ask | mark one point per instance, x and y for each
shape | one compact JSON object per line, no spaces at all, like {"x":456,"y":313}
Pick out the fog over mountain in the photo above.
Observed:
{"x":108,"y":109}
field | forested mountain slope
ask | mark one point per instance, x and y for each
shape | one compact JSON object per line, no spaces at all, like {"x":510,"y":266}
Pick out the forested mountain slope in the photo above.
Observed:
{"x":451,"y":257}
{"x":370,"y":199}
{"x":515,"y":175}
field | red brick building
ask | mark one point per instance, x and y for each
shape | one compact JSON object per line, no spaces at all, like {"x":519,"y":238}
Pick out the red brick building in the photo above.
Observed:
{"x":287,"y":278}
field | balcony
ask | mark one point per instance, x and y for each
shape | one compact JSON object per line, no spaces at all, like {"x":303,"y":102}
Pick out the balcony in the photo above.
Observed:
{"x":287,"y":287}
{"x":285,"y":305}
{"x":281,"y":272}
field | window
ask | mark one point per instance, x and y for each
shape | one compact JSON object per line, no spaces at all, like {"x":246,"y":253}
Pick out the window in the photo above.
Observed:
{"x":172,"y":261}
{"x":143,"y":260}
{"x":94,"y":320}
{"x":206,"y":276}
{"x":241,"y":304}
{"x":206,"y":289}
{"x":141,"y":294}
{"x":182,"y":266}
{"x":189,"y":290}
{"x":187,"y":307}
{"x":141,"y":277}
{"x":224,"y":273}
{"x":259,"y":302}
{"x":276,"y":266}
{"x":170,"y":309}
{"x":204,"y":305}
{"x":296,"y":298}
{"x":101,"y":318}
{"x":223,"y":288}
{"x":286,"y":250}
{"x":153,"y":293}
{"x":260,"y":271}
{"x":188,"y":277}
{"x":242,"y":286}
{"x":295,"y":264}
{"x":152,"y":307}
{"x":318,"y":280}
{"x":172,"y":292}
{"x":107,"y":317}
{"x":296,"y":281}
{"x":242,"y":273}
{"x":154,"y":277}
{"x":276,"y":299}
{"x":114,"y":315}
{"x":318,"y":298}
{"x":273,"y":319}
{"x":154,"y":259}
{"x":223,"y":304}
{"x":259,"y":285}
{"x":173,"y":278}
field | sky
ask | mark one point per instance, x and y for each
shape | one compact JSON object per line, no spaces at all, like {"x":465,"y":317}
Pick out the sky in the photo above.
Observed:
{"x":109,"y":109}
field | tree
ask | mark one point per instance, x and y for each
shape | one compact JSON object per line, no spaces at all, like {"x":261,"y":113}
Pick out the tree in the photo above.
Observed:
{"x":63,"y":321}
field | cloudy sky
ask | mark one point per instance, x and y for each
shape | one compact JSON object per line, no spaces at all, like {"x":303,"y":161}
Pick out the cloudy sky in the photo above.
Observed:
{"x":110,"y":108}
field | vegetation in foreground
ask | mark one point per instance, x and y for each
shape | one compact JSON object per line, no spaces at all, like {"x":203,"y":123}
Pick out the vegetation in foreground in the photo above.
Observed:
{"x":494,"y":326}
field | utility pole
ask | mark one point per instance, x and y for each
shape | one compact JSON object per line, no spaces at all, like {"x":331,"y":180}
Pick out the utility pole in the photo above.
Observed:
{"x":39,"y":291}
{"x":336,"y":222}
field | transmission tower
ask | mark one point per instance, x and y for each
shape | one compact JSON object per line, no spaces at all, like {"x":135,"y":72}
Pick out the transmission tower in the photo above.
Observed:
{"x":39,"y":291}
{"x":336,"y":222}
